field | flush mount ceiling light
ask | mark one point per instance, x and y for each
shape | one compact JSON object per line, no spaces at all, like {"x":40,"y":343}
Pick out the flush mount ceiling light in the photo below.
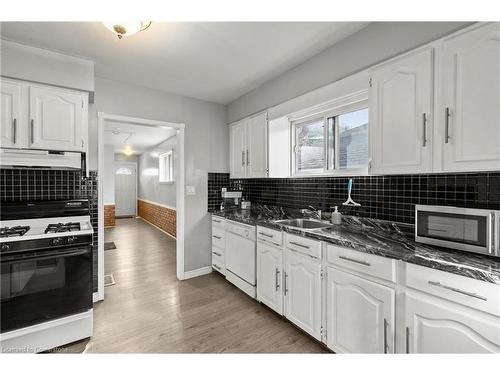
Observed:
{"x":122,"y":29}
{"x":128,"y":151}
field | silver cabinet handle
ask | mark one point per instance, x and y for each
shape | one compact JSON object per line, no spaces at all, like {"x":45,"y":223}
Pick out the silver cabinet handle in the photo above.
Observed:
{"x":355,"y":261}
{"x":266,"y":234}
{"x":216,"y":266}
{"x":14,"y":130}
{"x":286,"y":288}
{"x":218,"y":237}
{"x":456,"y":290}
{"x":386,"y":346}
{"x":407,"y":340}
{"x":216,"y":253}
{"x":248,"y":157}
{"x":276,"y":281}
{"x":447,"y":125}
{"x":299,"y":245}
{"x":32,"y":131}
{"x":242,"y":158}
{"x":424,"y":130}
{"x":217,"y":221}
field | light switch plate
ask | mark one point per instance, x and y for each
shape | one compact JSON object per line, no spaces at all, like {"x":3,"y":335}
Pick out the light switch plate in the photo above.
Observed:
{"x":190,"y":190}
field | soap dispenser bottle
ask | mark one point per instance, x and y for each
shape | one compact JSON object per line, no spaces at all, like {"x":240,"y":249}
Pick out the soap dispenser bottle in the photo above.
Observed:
{"x":336,"y":216}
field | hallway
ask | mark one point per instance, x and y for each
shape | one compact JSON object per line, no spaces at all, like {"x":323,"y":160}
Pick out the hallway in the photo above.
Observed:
{"x":148,"y":310}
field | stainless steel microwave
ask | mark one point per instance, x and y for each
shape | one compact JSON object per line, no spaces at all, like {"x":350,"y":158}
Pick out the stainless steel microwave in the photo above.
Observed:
{"x":466,"y":229}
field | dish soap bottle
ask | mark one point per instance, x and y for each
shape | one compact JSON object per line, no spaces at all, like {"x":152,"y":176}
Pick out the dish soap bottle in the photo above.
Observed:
{"x":336,"y":216}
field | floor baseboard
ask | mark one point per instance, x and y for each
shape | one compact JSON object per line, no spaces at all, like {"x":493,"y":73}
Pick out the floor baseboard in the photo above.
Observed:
{"x":197,"y":272}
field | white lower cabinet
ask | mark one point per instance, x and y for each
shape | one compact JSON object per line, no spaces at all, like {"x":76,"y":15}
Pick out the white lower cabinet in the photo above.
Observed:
{"x":434,"y":325}
{"x":360,"y":314}
{"x":302,"y":291}
{"x":269,"y":276}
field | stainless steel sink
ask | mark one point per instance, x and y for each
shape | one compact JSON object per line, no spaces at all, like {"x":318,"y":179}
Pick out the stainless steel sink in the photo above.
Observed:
{"x":304,"y":223}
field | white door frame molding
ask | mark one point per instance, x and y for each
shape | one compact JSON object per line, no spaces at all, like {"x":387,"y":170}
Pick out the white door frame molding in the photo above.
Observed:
{"x":136,"y":168}
{"x":180,"y":127}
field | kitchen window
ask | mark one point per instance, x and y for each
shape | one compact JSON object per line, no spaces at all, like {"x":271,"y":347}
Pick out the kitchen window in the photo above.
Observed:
{"x":335,"y":142}
{"x":166,"y":167}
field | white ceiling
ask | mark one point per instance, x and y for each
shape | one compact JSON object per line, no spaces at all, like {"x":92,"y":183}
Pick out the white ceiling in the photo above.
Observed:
{"x":218,"y":61}
{"x":139,"y":138}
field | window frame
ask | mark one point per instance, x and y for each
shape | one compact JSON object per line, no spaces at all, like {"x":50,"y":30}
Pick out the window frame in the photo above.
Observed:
{"x":163,"y":159}
{"x":326,"y":114}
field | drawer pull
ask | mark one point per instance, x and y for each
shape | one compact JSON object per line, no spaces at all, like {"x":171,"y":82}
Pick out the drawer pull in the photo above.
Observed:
{"x":216,"y":267}
{"x":218,"y":237}
{"x":266,"y":235}
{"x":216,"y":253}
{"x":299,"y":245}
{"x":309,"y":255}
{"x":276,"y":282}
{"x":355,"y":261}
{"x":470,"y":294}
{"x":217,"y":221}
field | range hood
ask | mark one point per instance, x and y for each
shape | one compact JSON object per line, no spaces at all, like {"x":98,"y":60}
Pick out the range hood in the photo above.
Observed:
{"x":11,"y":158}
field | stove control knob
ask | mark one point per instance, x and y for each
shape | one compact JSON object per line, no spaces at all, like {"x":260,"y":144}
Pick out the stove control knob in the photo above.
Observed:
{"x":57,"y":241}
{"x":5,"y":247}
{"x":72,"y":239}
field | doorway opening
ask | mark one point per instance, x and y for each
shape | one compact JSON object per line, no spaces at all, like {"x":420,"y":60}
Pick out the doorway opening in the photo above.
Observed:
{"x":140,"y":188}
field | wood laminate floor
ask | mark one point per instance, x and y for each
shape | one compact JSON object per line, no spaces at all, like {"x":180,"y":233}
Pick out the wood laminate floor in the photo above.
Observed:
{"x":149,"y":311}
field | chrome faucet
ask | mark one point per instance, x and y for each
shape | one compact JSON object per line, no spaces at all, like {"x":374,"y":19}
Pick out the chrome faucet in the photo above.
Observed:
{"x":314,"y":210}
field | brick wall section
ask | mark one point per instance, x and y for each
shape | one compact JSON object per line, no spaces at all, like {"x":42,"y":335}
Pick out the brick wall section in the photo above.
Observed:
{"x":109,"y":215}
{"x":163,"y":217}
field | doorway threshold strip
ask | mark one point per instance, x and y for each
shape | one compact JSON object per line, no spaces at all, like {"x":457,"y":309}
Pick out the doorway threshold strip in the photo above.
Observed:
{"x":109,"y":280}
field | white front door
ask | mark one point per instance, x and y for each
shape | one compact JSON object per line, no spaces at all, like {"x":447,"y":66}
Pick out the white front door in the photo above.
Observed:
{"x":125,"y":189}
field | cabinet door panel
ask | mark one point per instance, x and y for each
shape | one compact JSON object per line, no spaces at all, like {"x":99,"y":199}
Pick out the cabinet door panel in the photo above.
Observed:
{"x":57,"y":119}
{"x":238,"y":150}
{"x":401,"y":96}
{"x":257,"y":146}
{"x":269,"y":277}
{"x":360,"y":314}
{"x":302,"y":285}
{"x":471,"y":87}
{"x":437,"y":326}
{"x":11,"y":119}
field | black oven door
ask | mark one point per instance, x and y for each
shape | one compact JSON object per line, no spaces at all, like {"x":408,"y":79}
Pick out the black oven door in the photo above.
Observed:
{"x":41,"y":286}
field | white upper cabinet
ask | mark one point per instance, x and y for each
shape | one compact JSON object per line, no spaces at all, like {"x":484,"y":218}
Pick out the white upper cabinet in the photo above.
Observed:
{"x":302,"y":290}
{"x":248,"y":147}
{"x":401,"y":115}
{"x":437,"y":326}
{"x":12,"y":117}
{"x":469,"y":110}
{"x":56,"y":119}
{"x":269,"y":276}
{"x":360,"y":314}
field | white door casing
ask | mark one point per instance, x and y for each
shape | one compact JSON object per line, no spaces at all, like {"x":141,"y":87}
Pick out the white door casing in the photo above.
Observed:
{"x":470,"y":85}
{"x":269,"y":276}
{"x":401,"y":115}
{"x":360,"y":314}
{"x":302,"y":290}
{"x":125,"y":189}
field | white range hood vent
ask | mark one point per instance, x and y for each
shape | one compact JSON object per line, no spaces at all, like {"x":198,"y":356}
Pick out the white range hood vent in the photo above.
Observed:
{"x":10,"y":158}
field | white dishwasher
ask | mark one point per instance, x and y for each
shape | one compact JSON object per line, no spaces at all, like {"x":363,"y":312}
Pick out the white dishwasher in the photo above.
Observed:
{"x":241,"y":256}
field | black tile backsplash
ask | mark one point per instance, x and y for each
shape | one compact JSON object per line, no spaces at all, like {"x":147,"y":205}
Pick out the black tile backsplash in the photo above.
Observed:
{"x":43,"y":184}
{"x":381,"y":197}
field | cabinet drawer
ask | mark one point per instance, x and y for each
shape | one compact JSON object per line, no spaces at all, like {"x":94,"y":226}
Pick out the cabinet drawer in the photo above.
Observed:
{"x":219,"y":238}
{"x":303,"y":245}
{"x":369,"y":264}
{"x":218,"y":222}
{"x":274,"y":237}
{"x":460,"y":289}
{"x":218,"y":264}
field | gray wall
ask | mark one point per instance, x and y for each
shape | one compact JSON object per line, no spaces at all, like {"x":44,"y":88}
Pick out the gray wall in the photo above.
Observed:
{"x":373,"y":44}
{"x":206,"y":147}
{"x":150,"y":188}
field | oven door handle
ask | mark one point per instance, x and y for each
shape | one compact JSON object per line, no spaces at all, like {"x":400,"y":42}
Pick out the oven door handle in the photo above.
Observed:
{"x":36,"y":256}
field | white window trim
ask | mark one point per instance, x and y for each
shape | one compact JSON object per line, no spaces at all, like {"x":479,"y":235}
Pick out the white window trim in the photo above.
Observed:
{"x":336,"y":108}
{"x":162,"y":156}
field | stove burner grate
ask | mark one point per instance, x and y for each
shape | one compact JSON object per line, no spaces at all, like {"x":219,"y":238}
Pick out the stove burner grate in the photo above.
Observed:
{"x":60,"y":227}
{"x":14,"y":231}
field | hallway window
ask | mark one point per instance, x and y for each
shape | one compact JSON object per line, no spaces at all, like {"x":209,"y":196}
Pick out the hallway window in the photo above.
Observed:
{"x":166,"y":166}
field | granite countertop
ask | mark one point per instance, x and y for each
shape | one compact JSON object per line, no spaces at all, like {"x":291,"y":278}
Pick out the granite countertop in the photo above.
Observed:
{"x":378,"y":237}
